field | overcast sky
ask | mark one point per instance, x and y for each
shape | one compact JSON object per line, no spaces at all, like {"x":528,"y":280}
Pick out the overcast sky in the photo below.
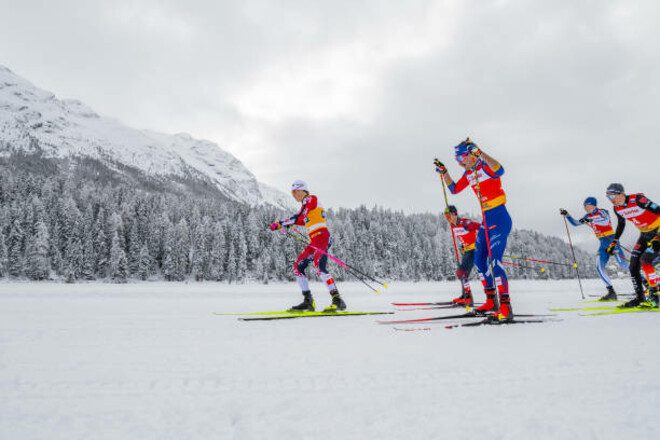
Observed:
{"x":358,"y":97}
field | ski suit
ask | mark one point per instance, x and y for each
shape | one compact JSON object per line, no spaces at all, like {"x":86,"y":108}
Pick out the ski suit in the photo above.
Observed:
{"x":599,"y":221}
{"x":312,"y":216}
{"x":645,"y":215}
{"x":486,"y":183}
{"x":465,"y":233}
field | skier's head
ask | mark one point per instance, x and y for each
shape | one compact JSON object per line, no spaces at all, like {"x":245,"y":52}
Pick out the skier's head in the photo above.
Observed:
{"x":299,"y":190}
{"x":616,"y":194}
{"x":590,"y":204}
{"x":463,"y":156}
{"x":451,"y":214}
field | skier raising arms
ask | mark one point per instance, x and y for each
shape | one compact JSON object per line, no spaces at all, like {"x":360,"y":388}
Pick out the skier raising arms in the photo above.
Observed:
{"x":599,"y":221}
{"x":464,"y":231}
{"x":312,"y":216}
{"x":483,"y":173}
{"x":645,"y":215}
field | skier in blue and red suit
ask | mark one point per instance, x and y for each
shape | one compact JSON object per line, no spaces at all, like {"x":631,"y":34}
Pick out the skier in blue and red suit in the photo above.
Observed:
{"x":599,"y":221}
{"x":483,"y":173}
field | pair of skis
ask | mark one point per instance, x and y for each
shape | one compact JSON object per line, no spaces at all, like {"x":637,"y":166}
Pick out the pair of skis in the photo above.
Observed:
{"x":289,"y":314}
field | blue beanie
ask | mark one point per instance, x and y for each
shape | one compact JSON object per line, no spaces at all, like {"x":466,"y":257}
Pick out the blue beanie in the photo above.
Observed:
{"x":591,"y":201}
{"x":463,"y":148}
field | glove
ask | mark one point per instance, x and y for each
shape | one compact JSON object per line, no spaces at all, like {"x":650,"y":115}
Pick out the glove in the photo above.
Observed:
{"x":440,"y":167}
{"x":474,"y":150}
{"x":275,"y":226}
{"x":563,"y":212}
{"x":612,"y":247}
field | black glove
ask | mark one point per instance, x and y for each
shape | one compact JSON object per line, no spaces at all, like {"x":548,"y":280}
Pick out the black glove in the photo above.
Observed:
{"x":611,"y":249}
{"x":440,"y":167}
{"x":563,"y":212}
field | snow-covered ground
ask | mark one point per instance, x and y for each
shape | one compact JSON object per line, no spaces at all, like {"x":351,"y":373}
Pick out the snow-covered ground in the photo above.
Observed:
{"x":152,"y":361}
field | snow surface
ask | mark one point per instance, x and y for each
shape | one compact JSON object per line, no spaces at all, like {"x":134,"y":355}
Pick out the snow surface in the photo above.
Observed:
{"x":65,"y":127}
{"x":151,"y":361}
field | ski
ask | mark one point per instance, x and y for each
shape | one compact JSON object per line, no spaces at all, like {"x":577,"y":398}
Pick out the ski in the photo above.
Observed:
{"x":454,"y":307}
{"x":277,"y":312}
{"x":494,"y":322}
{"x":310,"y":315}
{"x":581,"y":309}
{"x":620,"y":311}
{"x":471,"y":314}
{"x":421,"y":304}
{"x":627,"y":295}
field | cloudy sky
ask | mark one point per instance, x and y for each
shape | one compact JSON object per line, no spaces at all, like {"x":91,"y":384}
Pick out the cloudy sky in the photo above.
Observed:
{"x":358,"y":97}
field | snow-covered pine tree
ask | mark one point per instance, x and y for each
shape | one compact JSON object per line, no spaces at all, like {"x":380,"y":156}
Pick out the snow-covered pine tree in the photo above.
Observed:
{"x":38,"y":258}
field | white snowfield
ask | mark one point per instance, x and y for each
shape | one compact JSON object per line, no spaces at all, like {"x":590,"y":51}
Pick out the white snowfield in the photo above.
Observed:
{"x":64,"y":127}
{"x":152,"y":361}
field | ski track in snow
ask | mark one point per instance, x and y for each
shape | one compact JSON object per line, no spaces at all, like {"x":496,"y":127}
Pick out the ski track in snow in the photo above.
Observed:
{"x":151,"y":361}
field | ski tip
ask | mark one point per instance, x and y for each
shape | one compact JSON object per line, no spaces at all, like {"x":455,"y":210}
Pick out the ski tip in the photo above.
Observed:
{"x":386,"y":285}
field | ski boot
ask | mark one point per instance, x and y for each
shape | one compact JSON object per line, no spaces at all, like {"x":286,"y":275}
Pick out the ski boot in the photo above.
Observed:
{"x":464,"y":300}
{"x":505,"y":313}
{"x":307,"y":305}
{"x":337,"y":304}
{"x":610,"y":296}
{"x":489,"y":305}
{"x":655,"y":299}
{"x":635,"y":302}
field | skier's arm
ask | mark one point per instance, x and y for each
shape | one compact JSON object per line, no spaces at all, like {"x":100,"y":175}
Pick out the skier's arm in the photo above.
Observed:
{"x":574,"y":222}
{"x":443,"y":171}
{"x":571,"y":220}
{"x":457,"y":187}
{"x":494,"y":168}
{"x":299,"y":217}
{"x":620,"y":226}
{"x":471,"y":225}
{"x":645,"y":203}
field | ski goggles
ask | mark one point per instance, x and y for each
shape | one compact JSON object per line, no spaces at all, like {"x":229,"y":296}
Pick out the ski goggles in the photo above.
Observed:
{"x":460,"y":158}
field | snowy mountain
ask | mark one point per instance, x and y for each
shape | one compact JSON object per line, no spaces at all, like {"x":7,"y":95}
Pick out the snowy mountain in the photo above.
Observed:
{"x":36,"y":121}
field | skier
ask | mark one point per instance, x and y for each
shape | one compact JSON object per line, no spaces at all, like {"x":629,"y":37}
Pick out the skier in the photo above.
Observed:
{"x":599,"y":221}
{"x":483,"y":173}
{"x":645,"y":215}
{"x":312,"y":216}
{"x":464,"y":231}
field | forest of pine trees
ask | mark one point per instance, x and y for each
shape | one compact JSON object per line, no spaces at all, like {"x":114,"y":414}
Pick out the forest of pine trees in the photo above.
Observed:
{"x":54,"y":227}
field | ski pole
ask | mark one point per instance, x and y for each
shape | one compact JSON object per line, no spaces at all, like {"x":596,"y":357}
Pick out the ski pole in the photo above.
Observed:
{"x":522,"y":266}
{"x":532,"y":260}
{"x":490,"y":252}
{"x":303,"y":240}
{"x":575,"y":265}
{"x":453,"y":237}
{"x":298,"y":236}
{"x":339,"y":261}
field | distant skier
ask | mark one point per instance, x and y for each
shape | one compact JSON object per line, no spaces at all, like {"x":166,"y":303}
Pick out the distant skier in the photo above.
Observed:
{"x":464,"y":231}
{"x":599,"y":221}
{"x":312,"y":216}
{"x":645,"y":215}
{"x":483,"y":173}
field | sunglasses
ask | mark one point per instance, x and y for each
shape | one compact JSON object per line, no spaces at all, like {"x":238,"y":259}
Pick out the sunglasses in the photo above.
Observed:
{"x":461,"y":157}
{"x":612,"y":196}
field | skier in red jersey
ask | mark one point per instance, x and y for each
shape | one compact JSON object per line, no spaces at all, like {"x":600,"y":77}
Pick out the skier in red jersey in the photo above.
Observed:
{"x":464,"y":231}
{"x":645,"y":215}
{"x":312,"y":216}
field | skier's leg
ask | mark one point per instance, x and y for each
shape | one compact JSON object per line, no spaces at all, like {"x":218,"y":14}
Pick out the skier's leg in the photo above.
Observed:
{"x":481,"y":261}
{"x":463,"y":274}
{"x":299,"y":268}
{"x":499,"y":235}
{"x":635,"y":269}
